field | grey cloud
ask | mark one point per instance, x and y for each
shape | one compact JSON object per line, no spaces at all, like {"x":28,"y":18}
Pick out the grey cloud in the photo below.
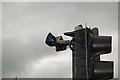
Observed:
{"x":16,"y":54}
{"x":25,"y":26}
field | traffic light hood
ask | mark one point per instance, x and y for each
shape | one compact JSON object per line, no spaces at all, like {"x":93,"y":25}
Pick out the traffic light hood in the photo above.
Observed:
{"x":102,"y":44}
{"x":50,"y":40}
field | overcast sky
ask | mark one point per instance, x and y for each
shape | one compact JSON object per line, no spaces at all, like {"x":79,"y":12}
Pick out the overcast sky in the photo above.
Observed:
{"x":26,"y":25}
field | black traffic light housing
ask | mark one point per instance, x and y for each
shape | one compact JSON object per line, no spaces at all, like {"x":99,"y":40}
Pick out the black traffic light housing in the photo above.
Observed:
{"x":86,"y":46}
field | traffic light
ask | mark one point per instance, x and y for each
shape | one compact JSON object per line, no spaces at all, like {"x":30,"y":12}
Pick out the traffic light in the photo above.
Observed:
{"x":86,"y":46}
{"x":58,"y":42}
